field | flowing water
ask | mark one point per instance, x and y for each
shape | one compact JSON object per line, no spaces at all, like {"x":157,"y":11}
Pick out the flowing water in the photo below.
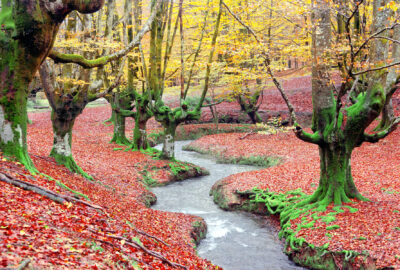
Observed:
{"x":235,"y":240}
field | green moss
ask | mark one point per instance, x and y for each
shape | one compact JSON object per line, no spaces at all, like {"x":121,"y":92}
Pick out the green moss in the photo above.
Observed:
{"x":261,"y":161}
{"x":64,"y":186}
{"x":77,"y":58}
{"x":333,"y":227}
{"x":69,"y":162}
{"x":149,"y":180}
{"x":177,"y":168}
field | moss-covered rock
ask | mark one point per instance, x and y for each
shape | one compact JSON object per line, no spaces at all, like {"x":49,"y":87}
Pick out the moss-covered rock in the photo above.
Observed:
{"x":199,"y":230}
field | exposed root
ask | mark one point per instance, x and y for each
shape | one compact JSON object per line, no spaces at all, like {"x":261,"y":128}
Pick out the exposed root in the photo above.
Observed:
{"x":70,"y":163}
{"x":23,"y":264}
{"x":120,"y":140}
{"x":144,"y":249}
{"x":59,"y":198}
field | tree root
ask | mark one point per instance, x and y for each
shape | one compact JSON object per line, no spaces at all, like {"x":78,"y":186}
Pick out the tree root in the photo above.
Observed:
{"x":23,"y":264}
{"x":69,"y":162}
{"x":120,"y":140}
{"x":59,"y":198}
{"x":118,"y":247}
{"x":247,"y":135}
{"x":144,"y":249}
{"x":150,"y":236}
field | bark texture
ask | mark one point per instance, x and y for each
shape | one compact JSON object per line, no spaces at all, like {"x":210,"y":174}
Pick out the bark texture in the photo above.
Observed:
{"x":338,"y":133}
{"x":28,"y":33}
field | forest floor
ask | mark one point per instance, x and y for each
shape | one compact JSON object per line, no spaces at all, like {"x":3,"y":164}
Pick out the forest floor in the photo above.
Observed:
{"x":126,"y":233}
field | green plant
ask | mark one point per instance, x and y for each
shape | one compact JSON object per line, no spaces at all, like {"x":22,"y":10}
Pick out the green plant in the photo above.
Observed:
{"x":149,"y":180}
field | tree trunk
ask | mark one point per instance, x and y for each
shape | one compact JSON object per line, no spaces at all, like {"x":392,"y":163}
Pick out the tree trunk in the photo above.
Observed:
{"x":140,"y":133}
{"x":13,"y":125}
{"x":254,"y":116}
{"x":388,"y":112}
{"x":336,"y":182}
{"x":119,"y":136}
{"x":387,"y":115}
{"x":28,"y":32}
{"x":111,"y":120}
{"x":168,"y":151}
{"x":61,"y":151}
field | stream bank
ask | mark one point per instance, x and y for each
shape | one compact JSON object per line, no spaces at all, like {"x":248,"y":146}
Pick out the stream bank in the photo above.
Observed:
{"x":235,"y":240}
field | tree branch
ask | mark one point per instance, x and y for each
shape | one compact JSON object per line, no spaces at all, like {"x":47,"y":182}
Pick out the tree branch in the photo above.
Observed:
{"x":101,"y":61}
{"x":373,"y":138}
{"x":197,"y":50}
{"x":210,"y":57}
{"x":144,"y":249}
{"x":267,"y":62}
{"x":44,"y":192}
{"x":373,"y":36}
{"x":23,"y":264}
{"x":314,"y":138}
{"x":213,"y":104}
{"x":377,"y":68}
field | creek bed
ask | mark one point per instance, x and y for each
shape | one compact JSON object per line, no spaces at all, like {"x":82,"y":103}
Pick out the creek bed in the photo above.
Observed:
{"x":234,"y":240}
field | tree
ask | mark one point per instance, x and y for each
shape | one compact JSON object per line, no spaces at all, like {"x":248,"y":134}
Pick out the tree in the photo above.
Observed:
{"x":28,"y":32}
{"x":69,"y":94}
{"x":67,"y":103}
{"x":171,"y":118}
{"x":339,"y":126}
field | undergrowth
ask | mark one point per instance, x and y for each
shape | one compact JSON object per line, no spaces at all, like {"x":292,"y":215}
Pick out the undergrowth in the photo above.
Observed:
{"x":290,"y":207}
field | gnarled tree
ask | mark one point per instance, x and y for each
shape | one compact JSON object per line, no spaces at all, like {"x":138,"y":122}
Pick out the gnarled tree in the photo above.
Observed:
{"x":171,"y":118}
{"x":28,"y":32}
{"x":339,"y":126}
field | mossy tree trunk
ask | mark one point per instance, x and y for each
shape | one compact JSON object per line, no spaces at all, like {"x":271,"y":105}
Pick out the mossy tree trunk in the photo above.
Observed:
{"x":170,"y":119}
{"x":120,"y":101}
{"x":62,"y":143}
{"x":140,"y":131}
{"x":13,"y":125}
{"x":168,"y":150}
{"x":250,"y":107}
{"x":119,"y":136}
{"x":339,"y":132}
{"x":66,"y":106}
{"x":28,"y":33}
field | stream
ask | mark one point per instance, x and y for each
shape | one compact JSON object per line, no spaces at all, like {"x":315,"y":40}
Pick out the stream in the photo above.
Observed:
{"x":235,"y":240}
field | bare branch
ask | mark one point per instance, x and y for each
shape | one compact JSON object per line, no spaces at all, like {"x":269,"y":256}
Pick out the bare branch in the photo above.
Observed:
{"x":101,"y":61}
{"x":143,"y":248}
{"x":241,"y":22}
{"x":267,"y":62}
{"x":374,"y":35}
{"x":377,"y":68}
{"x":197,"y":50}
{"x":60,"y":198}
{"x":210,"y":57}
{"x":213,"y":104}
{"x":388,"y":38}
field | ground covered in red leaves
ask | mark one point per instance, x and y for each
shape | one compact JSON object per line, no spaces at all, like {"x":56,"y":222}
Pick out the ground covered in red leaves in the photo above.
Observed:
{"x":74,"y":236}
{"x":374,"y":228}
{"x":125,"y":232}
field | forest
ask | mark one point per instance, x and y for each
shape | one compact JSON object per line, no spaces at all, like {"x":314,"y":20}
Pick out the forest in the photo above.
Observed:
{"x":211,"y":134}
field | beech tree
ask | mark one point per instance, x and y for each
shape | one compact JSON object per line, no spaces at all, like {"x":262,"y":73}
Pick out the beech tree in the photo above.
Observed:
{"x":339,"y":127}
{"x":67,"y":103}
{"x":28,"y":32}
{"x":341,"y":116}
{"x":168,"y":117}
